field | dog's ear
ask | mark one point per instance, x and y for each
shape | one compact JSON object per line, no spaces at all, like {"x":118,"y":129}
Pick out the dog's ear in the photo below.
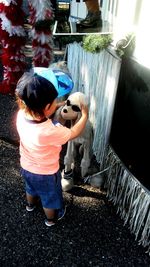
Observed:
{"x":58,"y":117}
{"x":78,"y":117}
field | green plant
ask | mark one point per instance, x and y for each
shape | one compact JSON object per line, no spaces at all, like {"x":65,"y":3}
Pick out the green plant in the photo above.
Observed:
{"x":95,"y":43}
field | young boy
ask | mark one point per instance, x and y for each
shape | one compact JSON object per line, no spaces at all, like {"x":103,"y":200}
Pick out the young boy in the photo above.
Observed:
{"x":41,"y":141}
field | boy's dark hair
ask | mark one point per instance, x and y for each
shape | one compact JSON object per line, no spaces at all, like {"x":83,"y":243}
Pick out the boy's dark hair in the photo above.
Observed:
{"x":35,"y":92}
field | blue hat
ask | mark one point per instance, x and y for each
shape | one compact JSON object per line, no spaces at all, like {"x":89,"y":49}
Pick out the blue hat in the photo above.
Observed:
{"x":61,"y":80}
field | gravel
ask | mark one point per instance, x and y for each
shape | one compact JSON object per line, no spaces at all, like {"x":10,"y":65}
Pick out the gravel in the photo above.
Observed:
{"x":91,"y":233}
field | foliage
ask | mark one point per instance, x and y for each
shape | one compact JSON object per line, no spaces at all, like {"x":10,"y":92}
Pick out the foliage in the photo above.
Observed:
{"x":95,"y":43}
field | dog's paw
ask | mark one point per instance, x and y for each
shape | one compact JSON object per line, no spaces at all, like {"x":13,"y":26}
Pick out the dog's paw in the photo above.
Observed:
{"x":67,"y":184}
{"x":67,"y":181}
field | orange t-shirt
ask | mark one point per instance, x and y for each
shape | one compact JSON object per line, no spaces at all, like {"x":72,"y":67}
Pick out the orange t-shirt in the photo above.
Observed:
{"x":40,"y":144}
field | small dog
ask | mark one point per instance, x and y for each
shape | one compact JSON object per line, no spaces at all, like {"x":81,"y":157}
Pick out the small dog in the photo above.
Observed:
{"x":72,"y":112}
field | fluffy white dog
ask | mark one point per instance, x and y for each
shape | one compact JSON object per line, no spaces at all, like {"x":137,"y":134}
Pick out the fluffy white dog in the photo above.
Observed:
{"x":72,"y":112}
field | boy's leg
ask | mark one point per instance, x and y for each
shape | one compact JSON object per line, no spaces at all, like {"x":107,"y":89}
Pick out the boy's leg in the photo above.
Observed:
{"x":31,"y":202}
{"x":50,"y":215}
{"x":52,"y":199}
{"x":31,"y":199}
{"x":53,"y":215}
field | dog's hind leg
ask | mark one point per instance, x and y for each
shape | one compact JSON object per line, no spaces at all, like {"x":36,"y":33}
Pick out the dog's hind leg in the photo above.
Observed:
{"x":67,"y":177}
{"x":86,"y":160}
{"x":69,"y":157}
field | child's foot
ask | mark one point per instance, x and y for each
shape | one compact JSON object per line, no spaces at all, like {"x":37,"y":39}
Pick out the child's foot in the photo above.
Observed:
{"x":60,"y":214}
{"x":49,"y":222}
{"x":30,"y":207}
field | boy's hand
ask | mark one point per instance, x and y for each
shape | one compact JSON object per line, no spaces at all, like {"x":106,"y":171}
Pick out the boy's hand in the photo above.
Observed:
{"x":84,"y":110}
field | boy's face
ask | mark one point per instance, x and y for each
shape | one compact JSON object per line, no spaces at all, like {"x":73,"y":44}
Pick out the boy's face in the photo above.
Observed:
{"x":50,"y":108}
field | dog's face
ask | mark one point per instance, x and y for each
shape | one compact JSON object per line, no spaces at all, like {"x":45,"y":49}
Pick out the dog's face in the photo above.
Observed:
{"x":70,"y":111}
{"x":72,"y":108}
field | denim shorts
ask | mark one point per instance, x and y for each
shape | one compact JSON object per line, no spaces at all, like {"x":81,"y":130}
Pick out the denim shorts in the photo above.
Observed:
{"x":47,"y":187}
